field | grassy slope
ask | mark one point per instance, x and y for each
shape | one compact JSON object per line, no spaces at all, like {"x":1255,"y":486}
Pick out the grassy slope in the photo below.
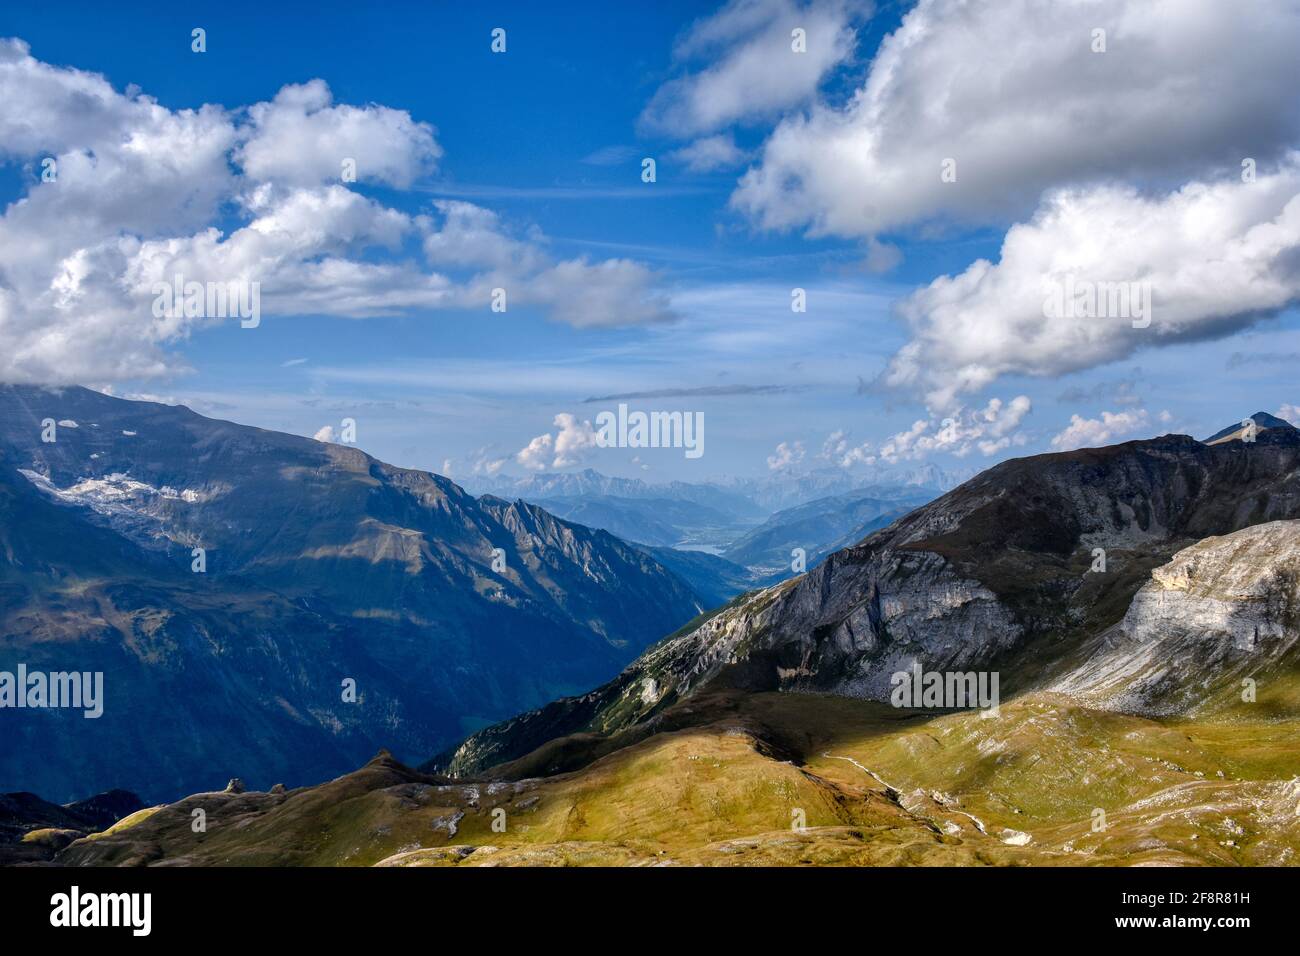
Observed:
{"x":722,"y":791}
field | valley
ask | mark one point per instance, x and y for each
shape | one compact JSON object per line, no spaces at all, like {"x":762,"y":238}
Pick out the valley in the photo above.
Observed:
{"x":1148,"y":712}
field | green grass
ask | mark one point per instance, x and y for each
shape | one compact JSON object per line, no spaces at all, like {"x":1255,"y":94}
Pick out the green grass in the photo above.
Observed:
{"x":720,"y":784}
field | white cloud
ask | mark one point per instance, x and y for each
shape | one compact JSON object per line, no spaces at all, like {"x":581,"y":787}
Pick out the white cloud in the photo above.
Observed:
{"x":480,"y":461}
{"x":1013,"y":91}
{"x":1290,"y":413}
{"x":836,"y":443}
{"x":1215,"y":257}
{"x":325,"y":434}
{"x":536,"y":455}
{"x":710,"y":153}
{"x":752,"y":71}
{"x":1092,"y":432}
{"x":787,"y":455}
{"x":838,"y":449}
{"x":144,"y":193}
{"x":585,"y":294}
{"x":569,"y":446}
{"x":301,"y":138}
{"x":472,"y":236}
{"x":990,"y":429}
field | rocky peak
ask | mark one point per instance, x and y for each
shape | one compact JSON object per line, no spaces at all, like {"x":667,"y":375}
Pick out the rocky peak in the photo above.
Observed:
{"x":1237,"y":431}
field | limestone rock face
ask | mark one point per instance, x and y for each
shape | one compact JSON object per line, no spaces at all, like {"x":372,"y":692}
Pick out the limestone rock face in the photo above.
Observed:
{"x":1226,"y":607}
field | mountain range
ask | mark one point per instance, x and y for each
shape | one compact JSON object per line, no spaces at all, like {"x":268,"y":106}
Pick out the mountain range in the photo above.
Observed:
{"x":996,"y":574}
{"x":820,"y":527}
{"x":745,"y":500}
{"x":319,"y":565}
{"x":589,"y":483}
{"x":1137,"y":601}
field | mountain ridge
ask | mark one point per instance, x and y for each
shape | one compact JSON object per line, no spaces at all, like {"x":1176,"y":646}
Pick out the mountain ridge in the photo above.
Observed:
{"x":704,"y":749}
{"x":995,"y":572}
{"x":322,"y":565}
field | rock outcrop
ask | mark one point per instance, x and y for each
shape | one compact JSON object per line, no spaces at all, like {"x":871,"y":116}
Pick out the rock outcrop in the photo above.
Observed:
{"x":1223,"y":610}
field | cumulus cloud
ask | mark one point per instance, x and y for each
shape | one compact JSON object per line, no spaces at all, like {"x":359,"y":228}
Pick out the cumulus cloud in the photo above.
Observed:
{"x":834,"y":445}
{"x":1013,"y":92}
{"x":488,"y":466}
{"x":143,"y":194}
{"x":1214,"y":257}
{"x":710,"y":153}
{"x":787,"y":455}
{"x":988,"y":430}
{"x":325,"y":434}
{"x":1092,"y":432}
{"x":570,"y":445}
{"x":837,"y":448}
{"x":585,"y":294}
{"x":300,"y":137}
{"x":473,"y":236}
{"x":752,"y":70}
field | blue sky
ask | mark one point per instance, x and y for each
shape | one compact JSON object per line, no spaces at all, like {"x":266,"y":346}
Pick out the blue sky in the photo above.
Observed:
{"x":549,"y":138}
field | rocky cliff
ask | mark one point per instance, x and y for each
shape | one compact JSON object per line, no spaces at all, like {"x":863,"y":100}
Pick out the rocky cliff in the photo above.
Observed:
{"x":1223,"y":611}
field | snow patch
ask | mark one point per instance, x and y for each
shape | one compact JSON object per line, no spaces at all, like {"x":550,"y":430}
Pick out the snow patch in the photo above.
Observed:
{"x":114,"y":495}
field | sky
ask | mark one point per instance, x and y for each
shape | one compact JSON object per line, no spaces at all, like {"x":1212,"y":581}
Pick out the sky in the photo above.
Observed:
{"x":945,"y":184}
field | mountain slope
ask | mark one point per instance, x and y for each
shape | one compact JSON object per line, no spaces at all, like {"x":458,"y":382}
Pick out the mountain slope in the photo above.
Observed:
{"x":32,"y":829}
{"x":716,"y":580}
{"x":742,"y":779}
{"x":322,"y":565}
{"x":818,"y":527}
{"x":688,"y":758}
{"x":649,"y":521}
{"x":993,"y":575}
{"x":1224,"y":611}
